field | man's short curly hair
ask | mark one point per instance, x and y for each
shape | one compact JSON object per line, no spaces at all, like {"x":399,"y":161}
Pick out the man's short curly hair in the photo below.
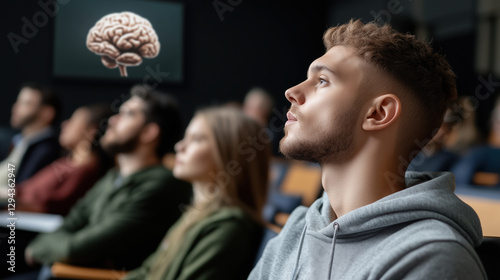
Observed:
{"x":425,"y":74}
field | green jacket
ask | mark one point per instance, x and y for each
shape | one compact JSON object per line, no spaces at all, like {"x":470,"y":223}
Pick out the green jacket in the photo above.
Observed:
{"x":116,"y":226}
{"x":222,"y":246}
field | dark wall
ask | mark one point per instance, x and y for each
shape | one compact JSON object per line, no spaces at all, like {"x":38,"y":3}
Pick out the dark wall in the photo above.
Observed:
{"x":259,"y":43}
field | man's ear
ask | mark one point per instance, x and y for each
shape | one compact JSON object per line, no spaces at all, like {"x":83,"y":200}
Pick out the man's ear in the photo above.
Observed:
{"x":384,"y":111}
{"x":150,"y":132}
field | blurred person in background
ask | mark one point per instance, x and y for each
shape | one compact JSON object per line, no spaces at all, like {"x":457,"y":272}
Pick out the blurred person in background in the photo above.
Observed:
{"x":481,"y":164}
{"x":34,"y":113}
{"x":466,"y":134}
{"x":258,"y":105}
{"x":218,"y":236}
{"x":55,"y":188}
{"x":435,"y":156}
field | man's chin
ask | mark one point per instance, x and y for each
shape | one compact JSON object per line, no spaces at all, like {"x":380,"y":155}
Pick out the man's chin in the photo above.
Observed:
{"x":110,"y":148}
{"x":113,"y":147}
{"x":288,"y":148}
{"x":15,"y":124}
{"x":297,"y":150}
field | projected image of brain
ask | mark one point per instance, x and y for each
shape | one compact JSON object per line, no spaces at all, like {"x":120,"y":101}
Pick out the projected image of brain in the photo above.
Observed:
{"x":123,"y":39}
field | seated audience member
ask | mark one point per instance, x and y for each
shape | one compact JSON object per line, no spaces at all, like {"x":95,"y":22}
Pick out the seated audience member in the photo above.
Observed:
{"x":258,"y":105}
{"x":122,"y":219}
{"x":481,"y":165}
{"x":59,"y":185}
{"x":218,"y":236}
{"x":358,"y":113}
{"x":435,"y":156}
{"x":466,"y":134}
{"x":34,"y":113}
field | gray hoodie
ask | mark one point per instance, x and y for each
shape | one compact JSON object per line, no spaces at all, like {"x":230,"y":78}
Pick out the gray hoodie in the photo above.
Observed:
{"x":421,"y":232}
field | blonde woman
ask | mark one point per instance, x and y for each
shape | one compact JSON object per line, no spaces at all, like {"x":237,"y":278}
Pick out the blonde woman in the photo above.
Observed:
{"x":225,"y":155}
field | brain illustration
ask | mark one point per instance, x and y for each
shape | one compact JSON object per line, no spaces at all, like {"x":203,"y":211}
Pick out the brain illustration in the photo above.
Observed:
{"x":123,"y":39}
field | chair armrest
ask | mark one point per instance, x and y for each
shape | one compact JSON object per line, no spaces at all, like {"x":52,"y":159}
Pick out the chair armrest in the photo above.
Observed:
{"x":62,"y":270}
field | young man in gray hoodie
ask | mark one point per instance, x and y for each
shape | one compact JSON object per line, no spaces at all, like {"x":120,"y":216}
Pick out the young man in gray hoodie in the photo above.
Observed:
{"x":369,"y":105}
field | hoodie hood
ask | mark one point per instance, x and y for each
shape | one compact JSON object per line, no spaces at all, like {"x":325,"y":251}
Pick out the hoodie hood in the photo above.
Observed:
{"x":427,"y":196}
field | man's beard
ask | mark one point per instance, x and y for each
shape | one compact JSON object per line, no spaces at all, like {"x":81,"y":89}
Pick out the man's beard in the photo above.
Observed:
{"x":330,"y":143}
{"x":113,"y":148}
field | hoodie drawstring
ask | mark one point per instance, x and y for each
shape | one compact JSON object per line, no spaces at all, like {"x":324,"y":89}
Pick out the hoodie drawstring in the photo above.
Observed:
{"x":302,"y":236}
{"x":334,"y":238}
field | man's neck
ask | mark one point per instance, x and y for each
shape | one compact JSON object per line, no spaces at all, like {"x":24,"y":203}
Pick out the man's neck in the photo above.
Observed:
{"x":31,"y":130}
{"x":359,"y":182}
{"x":136,"y":161}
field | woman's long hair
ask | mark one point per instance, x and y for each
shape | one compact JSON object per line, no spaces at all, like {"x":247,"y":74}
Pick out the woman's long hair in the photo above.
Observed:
{"x":241,"y":152}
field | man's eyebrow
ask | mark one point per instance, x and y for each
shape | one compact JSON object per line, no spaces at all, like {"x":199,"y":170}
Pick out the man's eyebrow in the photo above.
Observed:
{"x":320,"y":67}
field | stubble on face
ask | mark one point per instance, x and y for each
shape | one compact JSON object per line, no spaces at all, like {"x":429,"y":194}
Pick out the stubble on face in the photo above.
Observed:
{"x":114,"y":147}
{"x":331,"y":141}
{"x":112,"y":143}
{"x":331,"y":137}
